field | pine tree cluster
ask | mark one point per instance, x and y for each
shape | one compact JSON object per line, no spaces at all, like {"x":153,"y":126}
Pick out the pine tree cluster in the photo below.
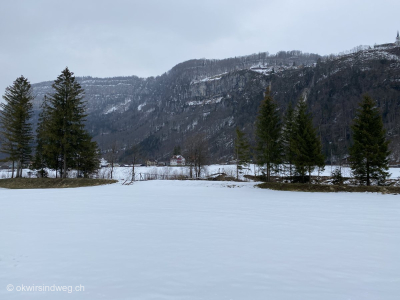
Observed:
{"x":62,"y":143}
{"x":292,"y":146}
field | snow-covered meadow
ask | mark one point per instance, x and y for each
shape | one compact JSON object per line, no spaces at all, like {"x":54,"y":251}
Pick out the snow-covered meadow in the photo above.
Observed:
{"x":198,"y":240}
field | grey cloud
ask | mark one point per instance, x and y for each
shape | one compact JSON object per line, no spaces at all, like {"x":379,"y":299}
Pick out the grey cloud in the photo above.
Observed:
{"x":144,"y":38}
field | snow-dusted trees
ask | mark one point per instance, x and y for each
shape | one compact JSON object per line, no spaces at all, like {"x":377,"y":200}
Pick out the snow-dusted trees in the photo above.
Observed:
{"x":16,"y":133}
{"x":369,"y":152}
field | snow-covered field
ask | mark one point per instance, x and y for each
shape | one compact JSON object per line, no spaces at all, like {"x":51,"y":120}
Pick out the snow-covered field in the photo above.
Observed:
{"x":183,"y":240}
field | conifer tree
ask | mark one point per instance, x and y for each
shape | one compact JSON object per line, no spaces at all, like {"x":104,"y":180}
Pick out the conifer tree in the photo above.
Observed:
{"x":307,"y":147}
{"x":288,"y":139}
{"x":242,"y":152}
{"x":177,"y":150}
{"x":268,"y":131}
{"x":65,"y":142}
{"x":16,"y":133}
{"x":369,"y":151}
{"x":87,"y":159}
{"x":40,"y":155}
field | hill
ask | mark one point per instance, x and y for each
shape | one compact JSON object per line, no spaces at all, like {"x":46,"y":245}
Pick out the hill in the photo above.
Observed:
{"x":212,"y":97}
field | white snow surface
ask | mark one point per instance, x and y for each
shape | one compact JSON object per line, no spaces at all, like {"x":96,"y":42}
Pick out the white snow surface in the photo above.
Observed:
{"x":125,"y":173}
{"x":199,"y":240}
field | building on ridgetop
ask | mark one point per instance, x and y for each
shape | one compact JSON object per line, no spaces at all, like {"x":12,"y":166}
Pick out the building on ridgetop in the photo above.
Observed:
{"x":395,"y":44}
{"x":177,"y":160}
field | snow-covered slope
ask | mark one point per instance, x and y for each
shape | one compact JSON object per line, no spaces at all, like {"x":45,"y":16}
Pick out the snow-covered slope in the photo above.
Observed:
{"x":199,"y":240}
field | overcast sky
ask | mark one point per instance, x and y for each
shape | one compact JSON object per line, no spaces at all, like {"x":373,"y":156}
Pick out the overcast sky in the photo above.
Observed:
{"x":39,"y":38}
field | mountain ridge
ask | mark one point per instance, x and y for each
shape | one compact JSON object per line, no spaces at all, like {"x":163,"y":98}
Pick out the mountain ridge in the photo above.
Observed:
{"x":212,"y":97}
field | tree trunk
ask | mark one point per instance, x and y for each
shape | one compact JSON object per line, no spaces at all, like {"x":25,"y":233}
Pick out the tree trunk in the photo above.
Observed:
{"x":133,"y":173}
{"x":20,"y":169}
{"x":237,"y":165}
{"x":13,"y":168}
{"x":65,"y":165}
{"x":61,"y":169}
{"x":133,"y":168}
{"x":17,"y":175}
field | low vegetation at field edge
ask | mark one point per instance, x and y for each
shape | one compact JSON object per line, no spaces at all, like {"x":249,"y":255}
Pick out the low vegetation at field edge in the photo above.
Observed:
{"x":48,"y":183}
{"x":304,"y":187}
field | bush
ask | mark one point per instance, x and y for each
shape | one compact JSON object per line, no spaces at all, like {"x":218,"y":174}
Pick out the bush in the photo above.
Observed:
{"x":337,"y":177}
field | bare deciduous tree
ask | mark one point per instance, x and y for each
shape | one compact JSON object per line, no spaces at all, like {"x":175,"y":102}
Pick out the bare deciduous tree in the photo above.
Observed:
{"x":196,"y":150}
{"x":111,"y":156}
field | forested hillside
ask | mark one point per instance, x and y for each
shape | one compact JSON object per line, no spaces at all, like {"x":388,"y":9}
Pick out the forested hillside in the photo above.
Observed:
{"x":213,"y":97}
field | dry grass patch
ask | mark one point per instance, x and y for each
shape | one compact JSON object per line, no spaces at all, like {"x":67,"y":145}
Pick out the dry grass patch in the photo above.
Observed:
{"x":304,"y":187}
{"x":51,"y":183}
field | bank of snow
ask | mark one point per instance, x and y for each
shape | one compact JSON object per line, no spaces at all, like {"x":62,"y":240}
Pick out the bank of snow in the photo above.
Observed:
{"x":199,"y":240}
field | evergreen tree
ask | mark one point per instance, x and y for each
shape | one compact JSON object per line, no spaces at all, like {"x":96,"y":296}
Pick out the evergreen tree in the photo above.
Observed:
{"x":16,"y":133}
{"x":268,"y":131}
{"x":307,"y":147}
{"x":40,"y":155}
{"x":87,"y":159}
{"x":288,"y":138}
{"x":177,"y":150}
{"x":242,"y":152}
{"x":369,"y":152}
{"x":65,"y":142}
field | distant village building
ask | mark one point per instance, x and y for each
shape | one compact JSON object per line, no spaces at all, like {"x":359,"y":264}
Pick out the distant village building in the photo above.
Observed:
{"x":151,"y":163}
{"x":104,"y":163}
{"x":6,"y":165}
{"x":177,"y":160}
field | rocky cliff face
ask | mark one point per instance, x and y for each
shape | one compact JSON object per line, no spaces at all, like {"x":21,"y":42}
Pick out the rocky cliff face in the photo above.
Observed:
{"x":213,"y":97}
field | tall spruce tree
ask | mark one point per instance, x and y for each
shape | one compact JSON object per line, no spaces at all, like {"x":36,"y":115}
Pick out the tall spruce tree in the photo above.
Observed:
{"x":16,"y":133}
{"x":268,"y":133}
{"x":306,"y":144}
{"x":288,"y":140}
{"x":87,"y":159}
{"x":242,"y":152}
{"x":65,"y":142}
{"x":369,"y":151}
{"x":40,"y":159}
